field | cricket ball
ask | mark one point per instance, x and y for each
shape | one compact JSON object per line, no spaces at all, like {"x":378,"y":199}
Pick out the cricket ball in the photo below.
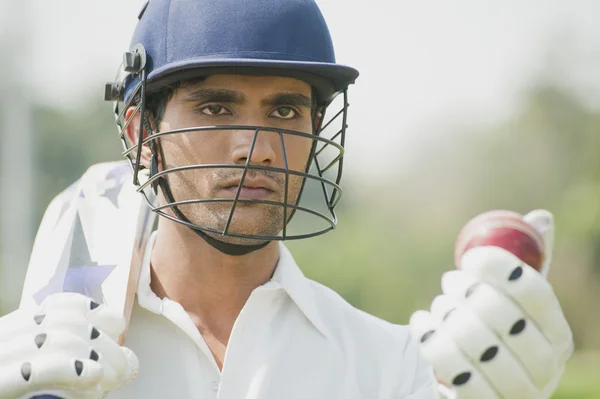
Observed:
{"x":504,"y":229}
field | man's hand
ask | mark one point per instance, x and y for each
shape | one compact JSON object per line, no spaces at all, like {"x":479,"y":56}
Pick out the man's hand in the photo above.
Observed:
{"x":66,"y":347}
{"x":498,"y":331}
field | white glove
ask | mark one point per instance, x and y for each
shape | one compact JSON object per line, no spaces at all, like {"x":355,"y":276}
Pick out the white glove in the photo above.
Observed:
{"x":498,"y":331}
{"x":66,"y":347}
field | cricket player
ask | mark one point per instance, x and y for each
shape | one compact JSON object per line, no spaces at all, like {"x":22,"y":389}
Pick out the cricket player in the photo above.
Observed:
{"x":234,"y":113}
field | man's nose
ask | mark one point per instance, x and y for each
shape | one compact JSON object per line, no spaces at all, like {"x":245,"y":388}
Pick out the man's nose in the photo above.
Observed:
{"x":257,"y":145}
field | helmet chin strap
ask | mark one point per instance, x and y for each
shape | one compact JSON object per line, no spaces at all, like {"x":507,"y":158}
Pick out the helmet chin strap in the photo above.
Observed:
{"x":224,"y":247}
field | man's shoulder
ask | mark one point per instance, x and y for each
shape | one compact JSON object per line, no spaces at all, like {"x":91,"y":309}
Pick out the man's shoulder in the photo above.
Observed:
{"x":377,"y":345}
{"x":345,"y":320}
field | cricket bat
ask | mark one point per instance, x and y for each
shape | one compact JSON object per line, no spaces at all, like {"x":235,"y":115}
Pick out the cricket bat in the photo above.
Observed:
{"x":92,"y":240}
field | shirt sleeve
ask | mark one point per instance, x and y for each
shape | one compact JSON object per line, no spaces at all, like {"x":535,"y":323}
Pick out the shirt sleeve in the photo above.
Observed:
{"x":424,"y":385}
{"x":416,"y":379}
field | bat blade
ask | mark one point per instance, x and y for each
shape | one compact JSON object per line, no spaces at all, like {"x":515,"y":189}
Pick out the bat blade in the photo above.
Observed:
{"x":92,"y":240}
{"x":143,"y":231}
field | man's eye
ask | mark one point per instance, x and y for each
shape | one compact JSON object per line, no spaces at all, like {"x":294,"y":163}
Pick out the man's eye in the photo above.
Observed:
{"x":214,"y":110}
{"x":284,"y":113}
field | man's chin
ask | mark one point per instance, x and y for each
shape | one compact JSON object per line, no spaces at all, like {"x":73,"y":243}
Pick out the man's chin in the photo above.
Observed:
{"x":230,"y":239}
{"x":265,"y":223}
{"x":247,"y":225}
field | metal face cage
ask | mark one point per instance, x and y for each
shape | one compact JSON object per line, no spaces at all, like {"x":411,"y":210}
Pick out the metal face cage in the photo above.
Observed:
{"x":320,"y":190}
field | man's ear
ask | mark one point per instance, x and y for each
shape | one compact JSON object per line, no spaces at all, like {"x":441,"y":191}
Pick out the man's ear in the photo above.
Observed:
{"x":317,"y":120}
{"x":132,"y":133}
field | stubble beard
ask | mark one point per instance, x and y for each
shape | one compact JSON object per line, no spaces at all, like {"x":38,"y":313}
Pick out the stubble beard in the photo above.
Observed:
{"x":249,"y":219}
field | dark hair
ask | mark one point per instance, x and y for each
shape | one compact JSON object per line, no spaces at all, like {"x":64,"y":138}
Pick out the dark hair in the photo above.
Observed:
{"x":156,"y":103}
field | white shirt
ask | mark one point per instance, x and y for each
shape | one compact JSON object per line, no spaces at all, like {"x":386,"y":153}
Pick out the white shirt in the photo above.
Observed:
{"x":293,"y":339}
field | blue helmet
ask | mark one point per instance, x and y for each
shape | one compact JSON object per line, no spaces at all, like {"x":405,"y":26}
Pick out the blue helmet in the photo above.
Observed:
{"x":285,"y":38}
{"x":177,"y":40}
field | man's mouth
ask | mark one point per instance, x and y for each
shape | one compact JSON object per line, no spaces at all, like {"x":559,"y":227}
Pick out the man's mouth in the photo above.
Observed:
{"x":252,"y":188}
{"x":251,"y":193}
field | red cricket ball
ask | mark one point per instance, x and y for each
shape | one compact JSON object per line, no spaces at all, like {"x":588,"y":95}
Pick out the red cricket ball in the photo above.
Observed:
{"x":504,"y":229}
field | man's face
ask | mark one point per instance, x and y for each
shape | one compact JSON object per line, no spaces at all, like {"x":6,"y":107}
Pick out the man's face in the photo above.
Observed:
{"x":274,"y":102}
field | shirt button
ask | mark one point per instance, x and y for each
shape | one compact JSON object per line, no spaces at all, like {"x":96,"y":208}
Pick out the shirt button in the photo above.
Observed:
{"x":214,"y":385}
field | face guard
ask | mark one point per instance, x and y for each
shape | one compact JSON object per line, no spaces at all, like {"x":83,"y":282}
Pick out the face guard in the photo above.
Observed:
{"x":315,"y":202}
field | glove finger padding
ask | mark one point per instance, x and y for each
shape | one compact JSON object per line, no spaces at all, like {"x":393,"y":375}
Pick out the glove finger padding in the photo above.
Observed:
{"x":71,"y":304}
{"x":484,"y":349}
{"x":100,"y":316}
{"x":510,"y":324}
{"x":50,"y":372}
{"x":118,"y":365}
{"x":543,"y":222}
{"x":31,"y":345}
{"x":66,"y":326}
{"x":528,"y":289}
{"x":452,"y":367}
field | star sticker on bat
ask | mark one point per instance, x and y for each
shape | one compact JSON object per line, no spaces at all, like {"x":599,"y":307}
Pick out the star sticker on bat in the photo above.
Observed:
{"x":81,"y":274}
{"x":115,"y":178}
{"x":67,"y":198}
{"x":112,"y":194}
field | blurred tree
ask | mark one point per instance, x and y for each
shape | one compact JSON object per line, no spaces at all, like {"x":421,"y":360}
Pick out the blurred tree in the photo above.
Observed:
{"x":67,"y":144}
{"x":388,"y":253}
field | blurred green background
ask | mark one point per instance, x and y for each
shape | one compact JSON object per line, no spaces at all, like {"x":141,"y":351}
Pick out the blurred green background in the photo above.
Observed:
{"x":396,"y":230}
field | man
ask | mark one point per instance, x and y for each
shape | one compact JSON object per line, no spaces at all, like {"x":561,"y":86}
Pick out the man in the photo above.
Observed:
{"x":223,"y":105}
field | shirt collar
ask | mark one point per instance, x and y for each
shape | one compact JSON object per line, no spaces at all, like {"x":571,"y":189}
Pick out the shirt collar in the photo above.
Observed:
{"x":287,"y":275}
{"x":298,"y":287}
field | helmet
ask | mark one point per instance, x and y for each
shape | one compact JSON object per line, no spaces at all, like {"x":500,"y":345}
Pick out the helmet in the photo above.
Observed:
{"x":177,"y":40}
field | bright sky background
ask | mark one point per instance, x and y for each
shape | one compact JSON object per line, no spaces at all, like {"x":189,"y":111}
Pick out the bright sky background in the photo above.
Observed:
{"x":423,"y":63}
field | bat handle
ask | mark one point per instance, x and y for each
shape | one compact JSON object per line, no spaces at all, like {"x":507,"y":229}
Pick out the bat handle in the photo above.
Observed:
{"x":45,"y":397}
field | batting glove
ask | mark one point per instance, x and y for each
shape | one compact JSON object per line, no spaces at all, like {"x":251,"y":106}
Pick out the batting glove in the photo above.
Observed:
{"x":67,"y":347}
{"x":498,"y":330}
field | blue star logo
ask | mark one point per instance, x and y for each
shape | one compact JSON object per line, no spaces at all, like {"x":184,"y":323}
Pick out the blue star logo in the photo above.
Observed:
{"x":82,"y":275}
{"x":116,"y":177}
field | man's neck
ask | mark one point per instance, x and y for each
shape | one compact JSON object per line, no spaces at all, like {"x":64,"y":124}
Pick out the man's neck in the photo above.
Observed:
{"x":211,"y":286}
